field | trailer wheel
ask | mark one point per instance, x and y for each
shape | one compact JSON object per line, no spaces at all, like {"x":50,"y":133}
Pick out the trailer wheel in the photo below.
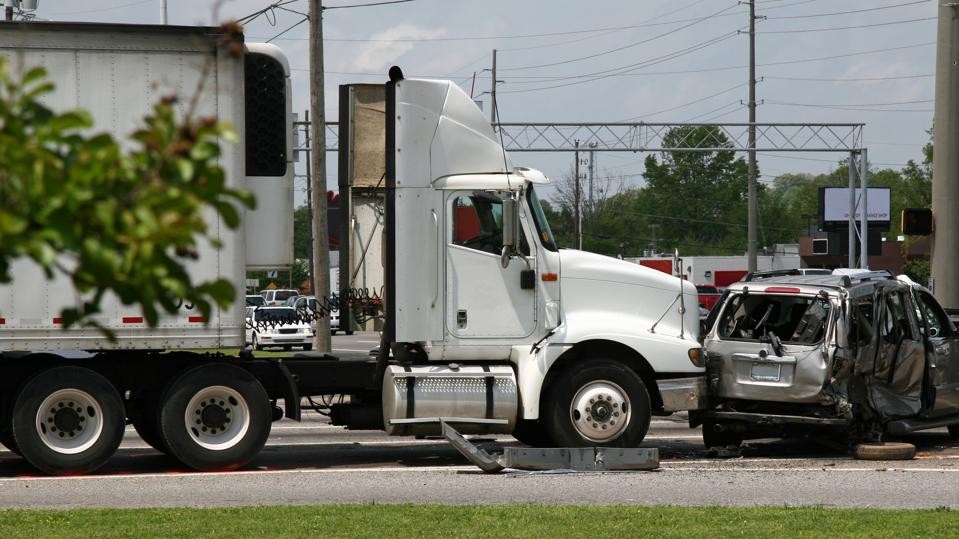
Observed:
{"x":601,"y":403}
{"x":68,"y":420}
{"x":146,"y":422}
{"x":215,"y":417}
{"x":6,"y":435}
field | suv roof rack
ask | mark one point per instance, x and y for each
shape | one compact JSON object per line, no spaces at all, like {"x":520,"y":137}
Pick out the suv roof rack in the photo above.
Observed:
{"x":771,"y":273}
{"x":845,"y":279}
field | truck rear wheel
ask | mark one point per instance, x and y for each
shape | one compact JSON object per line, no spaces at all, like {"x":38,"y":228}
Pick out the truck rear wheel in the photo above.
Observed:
{"x":601,"y":403}
{"x":215,"y":417}
{"x":146,"y":421}
{"x":68,"y":420}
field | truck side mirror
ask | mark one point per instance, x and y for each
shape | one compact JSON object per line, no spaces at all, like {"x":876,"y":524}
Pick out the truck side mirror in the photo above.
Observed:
{"x":510,"y":230}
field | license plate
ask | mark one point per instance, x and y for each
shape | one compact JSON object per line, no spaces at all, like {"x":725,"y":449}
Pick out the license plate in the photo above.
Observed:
{"x":765,"y":372}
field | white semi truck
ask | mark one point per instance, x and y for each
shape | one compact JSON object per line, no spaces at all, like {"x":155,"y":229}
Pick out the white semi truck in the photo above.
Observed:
{"x":490,"y":327}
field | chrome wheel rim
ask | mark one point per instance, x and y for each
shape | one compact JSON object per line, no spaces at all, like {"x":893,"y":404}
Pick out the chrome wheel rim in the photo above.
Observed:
{"x":600,"y":411}
{"x":217,"y":418}
{"x":69,"y":421}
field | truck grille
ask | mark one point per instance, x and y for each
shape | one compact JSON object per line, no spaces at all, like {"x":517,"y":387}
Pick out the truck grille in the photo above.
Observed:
{"x":287,"y":331}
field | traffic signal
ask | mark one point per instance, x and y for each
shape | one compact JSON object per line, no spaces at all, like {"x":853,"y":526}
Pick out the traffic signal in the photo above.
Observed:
{"x":916,"y":221}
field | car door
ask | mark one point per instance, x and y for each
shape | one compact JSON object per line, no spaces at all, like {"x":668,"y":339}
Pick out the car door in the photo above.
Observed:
{"x":894,"y":362}
{"x":944,"y":366}
{"x":484,"y":299}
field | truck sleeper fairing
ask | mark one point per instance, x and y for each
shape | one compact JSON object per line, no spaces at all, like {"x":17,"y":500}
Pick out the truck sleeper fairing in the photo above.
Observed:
{"x":820,"y":350}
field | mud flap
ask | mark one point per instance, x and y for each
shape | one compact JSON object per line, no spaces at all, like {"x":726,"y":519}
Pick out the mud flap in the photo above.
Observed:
{"x":585,"y":459}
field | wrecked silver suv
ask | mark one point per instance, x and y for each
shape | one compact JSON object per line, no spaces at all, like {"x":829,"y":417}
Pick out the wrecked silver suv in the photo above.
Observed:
{"x":865,"y":354}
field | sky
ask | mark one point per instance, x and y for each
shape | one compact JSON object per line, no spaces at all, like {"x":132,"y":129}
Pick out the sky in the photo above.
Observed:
{"x":818,"y":61}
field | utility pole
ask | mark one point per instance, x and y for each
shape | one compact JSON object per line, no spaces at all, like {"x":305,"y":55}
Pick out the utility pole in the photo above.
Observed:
{"x":578,"y":225}
{"x":321,"y":236}
{"x":163,"y":8}
{"x":592,"y":171}
{"x":753,"y":210}
{"x":492,"y":92}
{"x":309,"y":191}
{"x":8,"y":10}
{"x":945,"y":166}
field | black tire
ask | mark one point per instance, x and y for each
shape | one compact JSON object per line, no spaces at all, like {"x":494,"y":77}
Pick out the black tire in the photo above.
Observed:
{"x":6,"y":434}
{"x":230,"y":417}
{"x":348,"y":332}
{"x":68,"y":420}
{"x":307,"y":347}
{"x":884,"y":451}
{"x":954,"y":431}
{"x":715,"y":435}
{"x":332,"y":332}
{"x":145,"y":416}
{"x":577,"y":416}
{"x":532,"y":432}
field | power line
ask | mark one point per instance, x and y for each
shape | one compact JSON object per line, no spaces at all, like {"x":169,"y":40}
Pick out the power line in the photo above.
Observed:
{"x":731,"y":88}
{"x":624,"y":47}
{"x":834,"y":28}
{"x":388,"y":2}
{"x":638,"y":65}
{"x":858,"y":79}
{"x":722,"y":68}
{"x":848,"y":12}
{"x":303,"y":20}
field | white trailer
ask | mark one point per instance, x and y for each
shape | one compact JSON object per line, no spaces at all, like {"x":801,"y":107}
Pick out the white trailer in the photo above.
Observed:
{"x":489,"y":326}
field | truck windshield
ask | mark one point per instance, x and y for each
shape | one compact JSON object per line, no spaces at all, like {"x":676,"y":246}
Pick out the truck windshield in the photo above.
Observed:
{"x":539,"y":217}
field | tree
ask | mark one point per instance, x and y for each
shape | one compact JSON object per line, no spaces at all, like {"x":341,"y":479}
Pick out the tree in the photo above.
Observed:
{"x":107,"y":218}
{"x":698,"y":197}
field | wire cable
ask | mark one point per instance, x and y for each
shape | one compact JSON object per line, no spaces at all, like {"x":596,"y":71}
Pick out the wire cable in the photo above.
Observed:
{"x":835,"y":28}
{"x":624,"y":47}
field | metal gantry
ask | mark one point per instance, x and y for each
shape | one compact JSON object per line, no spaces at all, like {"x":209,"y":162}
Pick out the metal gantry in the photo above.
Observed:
{"x":652,"y":137}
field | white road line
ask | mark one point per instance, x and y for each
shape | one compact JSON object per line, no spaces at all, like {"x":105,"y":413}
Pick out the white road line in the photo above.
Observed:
{"x":349,"y":350}
{"x":448,"y":469}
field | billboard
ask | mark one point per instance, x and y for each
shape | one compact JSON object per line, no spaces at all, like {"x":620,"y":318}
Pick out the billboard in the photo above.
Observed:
{"x":834,"y":207}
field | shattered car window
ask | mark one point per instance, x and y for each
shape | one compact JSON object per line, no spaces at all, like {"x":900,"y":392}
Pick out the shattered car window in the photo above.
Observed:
{"x":793,"y":319}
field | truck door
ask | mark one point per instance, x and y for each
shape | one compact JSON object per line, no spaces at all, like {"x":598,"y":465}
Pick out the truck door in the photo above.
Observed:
{"x":484,"y":300}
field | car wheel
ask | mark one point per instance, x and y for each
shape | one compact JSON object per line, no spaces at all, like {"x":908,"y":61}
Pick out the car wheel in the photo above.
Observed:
{"x":332,"y":332}
{"x":307,"y":347}
{"x":287,"y":347}
{"x":215,"y":417}
{"x":68,"y":420}
{"x":884,"y":451}
{"x":348,"y":332}
{"x":601,"y":403}
{"x":718,"y":435}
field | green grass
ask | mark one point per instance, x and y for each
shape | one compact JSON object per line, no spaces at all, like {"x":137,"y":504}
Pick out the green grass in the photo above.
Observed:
{"x":480,"y":521}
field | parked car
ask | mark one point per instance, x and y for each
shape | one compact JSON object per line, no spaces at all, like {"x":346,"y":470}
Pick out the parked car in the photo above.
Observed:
{"x":277,"y":297}
{"x":255,"y":300}
{"x":864,"y":353}
{"x":279,"y":326}
{"x":309,"y":303}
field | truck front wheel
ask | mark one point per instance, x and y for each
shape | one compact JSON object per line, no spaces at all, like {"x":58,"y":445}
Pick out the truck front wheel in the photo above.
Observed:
{"x":215,"y":417}
{"x":68,"y":420}
{"x":601,"y":403}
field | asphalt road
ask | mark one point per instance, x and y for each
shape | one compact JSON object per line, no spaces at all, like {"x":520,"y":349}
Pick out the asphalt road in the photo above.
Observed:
{"x":313,"y":462}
